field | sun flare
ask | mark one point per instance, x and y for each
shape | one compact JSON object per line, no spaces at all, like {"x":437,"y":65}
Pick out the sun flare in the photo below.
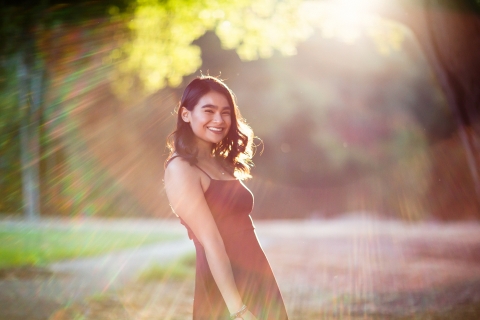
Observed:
{"x":349,"y":20}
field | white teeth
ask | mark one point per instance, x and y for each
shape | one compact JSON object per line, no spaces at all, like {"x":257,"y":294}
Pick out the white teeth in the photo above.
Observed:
{"x":216,"y":129}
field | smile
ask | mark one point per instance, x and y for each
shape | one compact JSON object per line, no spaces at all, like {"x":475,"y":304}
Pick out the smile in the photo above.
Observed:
{"x":216,"y":130}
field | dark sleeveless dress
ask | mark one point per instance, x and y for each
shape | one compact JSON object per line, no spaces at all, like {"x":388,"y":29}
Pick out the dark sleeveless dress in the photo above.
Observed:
{"x":231,"y":203}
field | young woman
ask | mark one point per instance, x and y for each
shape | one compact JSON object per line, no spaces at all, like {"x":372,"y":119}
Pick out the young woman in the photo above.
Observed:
{"x":210,"y":154}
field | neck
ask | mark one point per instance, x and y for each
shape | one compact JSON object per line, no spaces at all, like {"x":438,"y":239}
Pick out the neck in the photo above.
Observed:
{"x":204,"y":150}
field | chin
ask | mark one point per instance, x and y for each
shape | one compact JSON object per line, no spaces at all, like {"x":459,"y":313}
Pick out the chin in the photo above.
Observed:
{"x":216,"y":140}
{"x":212,"y":140}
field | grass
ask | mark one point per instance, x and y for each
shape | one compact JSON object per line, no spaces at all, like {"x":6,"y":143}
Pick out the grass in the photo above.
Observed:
{"x":177,"y":270}
{"x":38,"y":247}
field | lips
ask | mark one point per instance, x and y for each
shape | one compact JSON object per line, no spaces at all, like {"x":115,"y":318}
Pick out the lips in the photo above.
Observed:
{"x":215,"y":129}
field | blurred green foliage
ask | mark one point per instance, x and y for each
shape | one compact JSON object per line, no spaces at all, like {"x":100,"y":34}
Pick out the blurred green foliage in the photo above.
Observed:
{"x":159,"y":48}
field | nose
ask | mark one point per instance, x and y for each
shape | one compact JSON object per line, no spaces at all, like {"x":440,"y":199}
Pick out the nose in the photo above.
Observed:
{"x":218,"y":117}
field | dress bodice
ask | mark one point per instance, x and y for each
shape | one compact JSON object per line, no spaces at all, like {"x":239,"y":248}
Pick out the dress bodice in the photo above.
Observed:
{"x":230,"y":203}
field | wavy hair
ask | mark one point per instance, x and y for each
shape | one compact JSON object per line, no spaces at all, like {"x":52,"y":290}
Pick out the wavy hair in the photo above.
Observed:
{"x":235,"y":151}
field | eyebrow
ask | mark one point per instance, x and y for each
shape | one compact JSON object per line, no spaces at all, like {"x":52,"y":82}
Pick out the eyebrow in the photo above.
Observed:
{"x":214,"y":106}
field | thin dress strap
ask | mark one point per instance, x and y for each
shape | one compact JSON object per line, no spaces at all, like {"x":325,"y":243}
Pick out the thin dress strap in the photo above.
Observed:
{"x":170,"y":159}
{"x":176,"y":156}
{"x":203,"y":171}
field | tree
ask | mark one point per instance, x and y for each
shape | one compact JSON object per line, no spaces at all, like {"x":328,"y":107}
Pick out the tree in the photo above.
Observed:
{"x":23,"y":23}
{"x":447,"y":31}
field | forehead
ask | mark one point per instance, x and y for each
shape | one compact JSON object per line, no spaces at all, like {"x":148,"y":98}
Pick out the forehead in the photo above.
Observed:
{"x":213,"y":98}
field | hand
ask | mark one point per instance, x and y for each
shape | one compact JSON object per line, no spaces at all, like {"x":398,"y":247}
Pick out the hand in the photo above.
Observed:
{"x":248,"y":316}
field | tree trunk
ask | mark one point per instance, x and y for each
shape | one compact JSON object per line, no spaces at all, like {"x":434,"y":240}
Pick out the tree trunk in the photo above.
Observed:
{"x":453,"y":52}
{"x":29,"y":86}
{"x":449,"y":35}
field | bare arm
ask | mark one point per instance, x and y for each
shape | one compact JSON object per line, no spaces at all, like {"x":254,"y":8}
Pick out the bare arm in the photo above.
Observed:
{"x":186,"y":196}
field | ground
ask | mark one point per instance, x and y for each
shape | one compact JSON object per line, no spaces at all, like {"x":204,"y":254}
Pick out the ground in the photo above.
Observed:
{"x":352,"y":268}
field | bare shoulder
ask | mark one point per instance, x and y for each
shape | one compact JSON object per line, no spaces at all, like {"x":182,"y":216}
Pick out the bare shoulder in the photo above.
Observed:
{"x":180,"y":171}
{"x":182,"y":182}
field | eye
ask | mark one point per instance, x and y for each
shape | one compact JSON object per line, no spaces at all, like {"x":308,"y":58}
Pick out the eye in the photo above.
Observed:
{"x":208,"y":111}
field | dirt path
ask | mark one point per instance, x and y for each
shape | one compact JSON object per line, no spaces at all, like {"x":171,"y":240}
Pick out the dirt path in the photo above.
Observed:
{"x":360,"y":266}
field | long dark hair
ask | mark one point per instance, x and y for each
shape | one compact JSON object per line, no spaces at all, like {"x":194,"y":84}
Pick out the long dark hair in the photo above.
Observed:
{"x":235,"y":151}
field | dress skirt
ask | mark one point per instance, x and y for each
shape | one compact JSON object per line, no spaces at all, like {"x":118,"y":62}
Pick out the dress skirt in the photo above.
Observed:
{"x":254,"y":278}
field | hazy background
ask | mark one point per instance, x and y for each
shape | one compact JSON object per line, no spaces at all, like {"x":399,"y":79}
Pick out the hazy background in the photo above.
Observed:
{"x":349,"y":112}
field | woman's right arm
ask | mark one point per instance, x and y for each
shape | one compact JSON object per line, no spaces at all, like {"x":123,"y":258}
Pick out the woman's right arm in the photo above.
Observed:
{"x":186,"y":196}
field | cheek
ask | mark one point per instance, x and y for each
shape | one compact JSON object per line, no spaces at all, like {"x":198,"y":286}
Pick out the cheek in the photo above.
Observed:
{"x":228,"y":121}
{"x":199,"y":119}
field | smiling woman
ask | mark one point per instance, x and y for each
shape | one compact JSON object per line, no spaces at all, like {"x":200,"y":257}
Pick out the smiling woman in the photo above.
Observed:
{"x":210,"y":120}
{"x":211,"y":152}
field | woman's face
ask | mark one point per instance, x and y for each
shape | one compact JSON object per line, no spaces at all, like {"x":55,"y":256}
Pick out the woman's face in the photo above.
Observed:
{"x":210,"y":119}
